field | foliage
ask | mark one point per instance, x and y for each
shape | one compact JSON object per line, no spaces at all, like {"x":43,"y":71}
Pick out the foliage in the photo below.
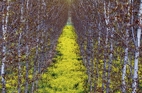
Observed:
{"x":109,"y":37}
{"x":29,"y":32}
{"x":67,"y":75}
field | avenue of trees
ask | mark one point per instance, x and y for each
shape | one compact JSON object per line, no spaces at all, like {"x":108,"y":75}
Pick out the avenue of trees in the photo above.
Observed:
{"x":109,"y":36}
{"x":29,"y":30}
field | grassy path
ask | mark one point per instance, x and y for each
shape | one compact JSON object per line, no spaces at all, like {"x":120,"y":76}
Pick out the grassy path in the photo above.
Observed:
{"x":67,"y":74}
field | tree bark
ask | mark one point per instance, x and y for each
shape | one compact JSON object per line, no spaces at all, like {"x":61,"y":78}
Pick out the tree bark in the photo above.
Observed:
{"x":137,"y":51}
{"x":5,"y":20}
{"x":126,"y":50}
{"x":19,"y":45}
{"x":105,"y":77}
{"x":27,"y":49}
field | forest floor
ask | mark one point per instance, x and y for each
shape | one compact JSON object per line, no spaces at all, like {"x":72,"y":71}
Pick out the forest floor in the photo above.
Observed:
{"x":67,"y":74}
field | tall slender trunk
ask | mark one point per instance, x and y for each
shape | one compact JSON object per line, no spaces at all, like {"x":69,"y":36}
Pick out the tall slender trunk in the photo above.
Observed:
{"x":19,"y":65}
{"x":19,"y":46}
{"x":110,"y":62}
{"x":35,"y":69}
{"x":38,"y":29}
{"x":44,"y":37}
{"x":124,"y":68}
{"x":105,"y":62}
{"x":36,"y":62}
{"x":5,"y":20}
{"x":27,"y":50}
{"x":90,"y":60}
{"x":126,"y":50}
{"x":132,"y":33}
{"x":137,"y":51}
{"x":97,"y":60}
{"x":27,"y":69}
{"x":105,"y":77}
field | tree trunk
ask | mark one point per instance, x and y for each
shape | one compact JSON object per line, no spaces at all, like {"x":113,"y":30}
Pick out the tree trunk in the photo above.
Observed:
{"x":137,"y":51}
{"x":90,"y":65}
{"x":5,"y":20}
{"x":110,"y":62}
{"x":105,"y":77}
{"x":126,"y":48}
{"x":19,"y":46}
{"x":36,"y":62}
{"x":27,"y":50}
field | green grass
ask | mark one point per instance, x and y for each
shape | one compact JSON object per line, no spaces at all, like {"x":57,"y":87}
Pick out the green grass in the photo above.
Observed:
{"x":68,"y":74}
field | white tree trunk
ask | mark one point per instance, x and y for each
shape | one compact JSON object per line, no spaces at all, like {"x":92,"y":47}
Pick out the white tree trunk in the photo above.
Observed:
{"x":110,"y":62}
{"x":19,"y":46}
{"x":90,"y":62}
{"x":107,"y":20}
{"x":19,"y":66}
{"x":36,"y":63}
{"x":137,"y":51}
{"x":27,"y":70}
{"x":126,"y":52}
{"x":27,"y":51}
{"x":124,"y":70}
{"x":5,"y":17}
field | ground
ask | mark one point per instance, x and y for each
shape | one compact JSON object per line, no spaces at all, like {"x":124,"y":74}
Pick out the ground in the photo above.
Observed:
{"x":67,"y":74}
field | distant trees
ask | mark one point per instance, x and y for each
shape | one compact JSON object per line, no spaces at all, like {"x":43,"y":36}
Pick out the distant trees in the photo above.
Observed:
{"x":109,"y":36}
{"x":28,"y":37}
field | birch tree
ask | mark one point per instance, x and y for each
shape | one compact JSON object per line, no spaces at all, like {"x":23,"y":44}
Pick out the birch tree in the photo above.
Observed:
{"x":116,"y":22}
{"x":22,"y":21}
{"x":5,"y":20}
{"x":36,"y":61}
{"x":137,"y":51}
{"x":27,"y":48}
{"x":126,"y":50}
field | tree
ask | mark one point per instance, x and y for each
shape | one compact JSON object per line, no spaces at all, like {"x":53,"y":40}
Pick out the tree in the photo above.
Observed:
{"x":5,"y":20}
{"x":30,"y":32}
{"x":137,"y":51}
{"x":113,"y":27}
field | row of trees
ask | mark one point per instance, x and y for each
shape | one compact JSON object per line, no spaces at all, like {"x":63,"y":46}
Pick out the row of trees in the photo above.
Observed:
{"x":109,"y":36}
{"x":29,"y":31}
